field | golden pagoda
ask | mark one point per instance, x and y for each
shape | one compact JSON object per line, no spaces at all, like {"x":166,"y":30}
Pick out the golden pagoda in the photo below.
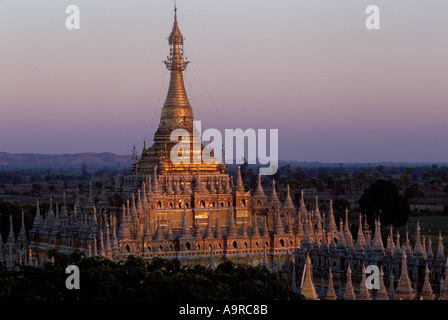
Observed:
{"x":176,"y":114}
{"x":202,"y":188}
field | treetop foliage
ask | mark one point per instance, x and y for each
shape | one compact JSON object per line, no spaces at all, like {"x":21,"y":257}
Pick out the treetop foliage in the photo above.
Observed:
{"x":382,"y":199}
{"x":139,"y":279}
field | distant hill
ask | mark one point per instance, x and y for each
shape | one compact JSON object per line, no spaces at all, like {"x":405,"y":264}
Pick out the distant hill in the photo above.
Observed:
{"x":317,"y":164}
{"x":108,"y":159}
{"x":389,"y":164}
{"x":37,"y":160}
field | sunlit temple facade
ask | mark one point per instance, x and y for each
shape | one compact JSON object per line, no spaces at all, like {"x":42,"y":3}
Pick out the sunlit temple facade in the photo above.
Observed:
{"x":200,"y":214}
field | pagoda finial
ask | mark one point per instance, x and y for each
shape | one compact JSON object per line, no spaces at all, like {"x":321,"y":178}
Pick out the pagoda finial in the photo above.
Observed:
{"x":278,"y":225}
{"x":341,"y":245}
{"x":177,"y":96}
{"x":302,"y":200}
{"x":306,"y":240}
{"x":363,"y":290}
{"x":239,"y":181}
{"x":397,"y":250}
{"x":243,"y":231}
{"x":255,"y":229}
{"x":102,"y":250}
{"x":349,"y":293}
{"x":169,"y":231}
{"x":274,"y":197}
{"x":185,"y":230}
{"x":444,"y":290}
{"x":259,"y":189}
{"x":404,"y":289}
{"x":208,"y":230}
{"x":382,"y":293}
{"x":426,"y":293}
{"x":11,"y":238}
{"x":158,"y":234}
{"x":124,"y":233}
{"x":391,"y":235}
{"x":331,"y":223}
{"x":308,"y":290}
{"x":378,"y":246}
{"x":418,"y":249}
{"x":331,"y":295}
{"x":218,"y":231}
{"x":231,"y":227}
{"x":37,"y":218}
{"x":265,"y":227}
{"x":429,"y":253}
{"x":360,"y":241}
{"x":439,"y":254}
{"x":22,"y":232}
{"x":288,"y":204}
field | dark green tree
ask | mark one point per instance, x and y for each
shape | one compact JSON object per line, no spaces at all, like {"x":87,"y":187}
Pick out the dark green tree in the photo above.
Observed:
{"x":339,"y":207}
{"x":138,"y":279}
{"x":36,"y":189}
{"x":415,"y":191}
{"x":85,"y":175}
{"x":382,"y":199}
{"x":435,"y":183}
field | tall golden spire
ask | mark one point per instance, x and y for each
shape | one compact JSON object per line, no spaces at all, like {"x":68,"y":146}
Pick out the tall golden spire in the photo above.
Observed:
{"x":177,"y":96}
{"x":176,"y":113}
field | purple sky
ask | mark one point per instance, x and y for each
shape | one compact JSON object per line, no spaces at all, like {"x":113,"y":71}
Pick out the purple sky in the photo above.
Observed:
{"x":336,"y":91}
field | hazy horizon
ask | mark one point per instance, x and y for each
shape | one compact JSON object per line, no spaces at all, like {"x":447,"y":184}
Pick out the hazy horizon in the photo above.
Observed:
{"x":337,"y":92}
{"x":392,"y":163}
